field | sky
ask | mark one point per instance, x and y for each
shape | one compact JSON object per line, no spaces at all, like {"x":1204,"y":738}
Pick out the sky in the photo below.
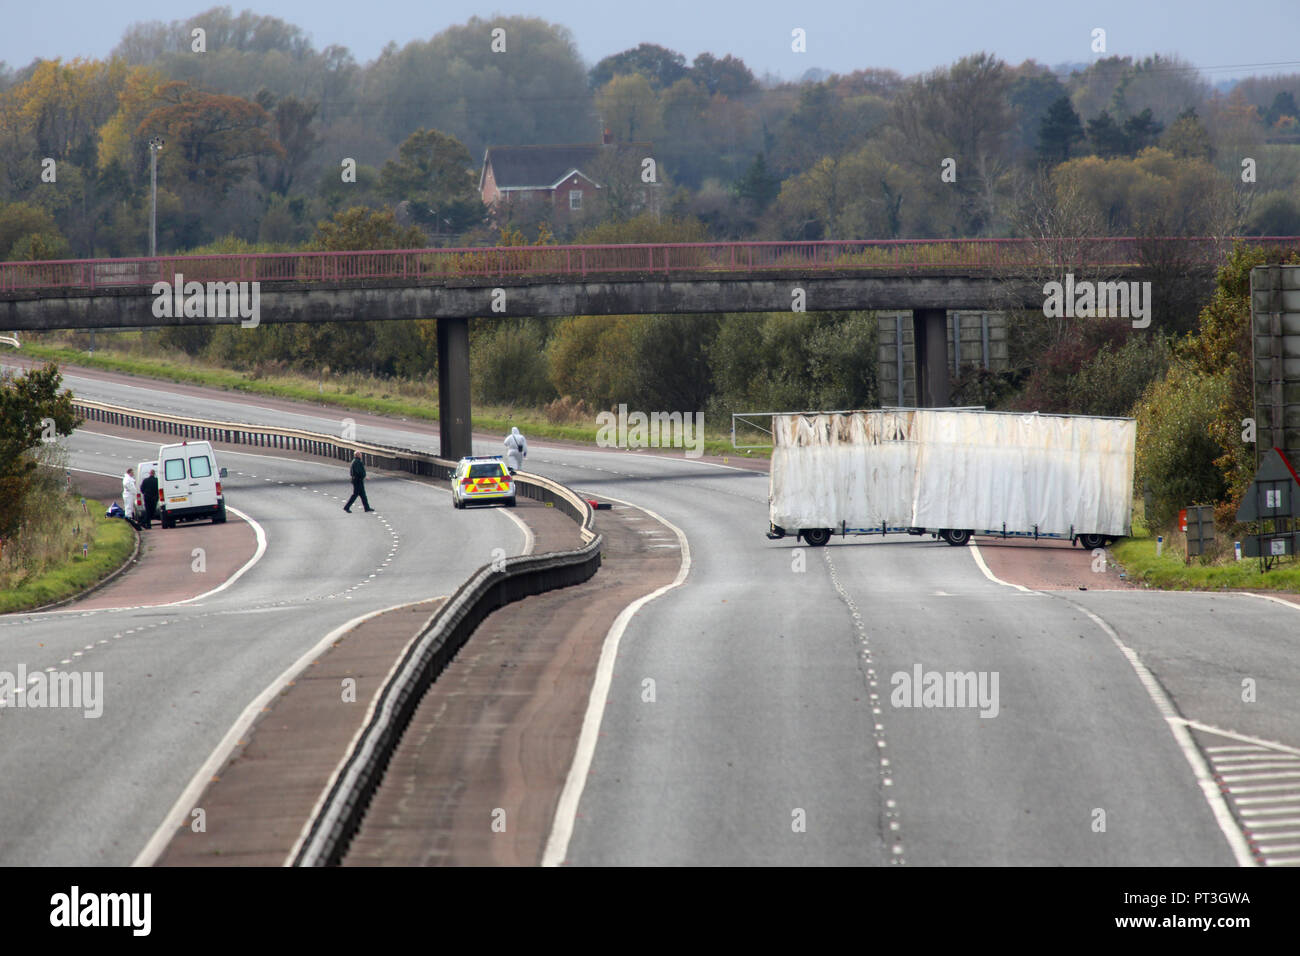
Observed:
{"x":910,"y":36}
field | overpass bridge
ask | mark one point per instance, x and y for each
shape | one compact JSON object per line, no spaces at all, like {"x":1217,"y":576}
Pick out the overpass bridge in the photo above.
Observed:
{"x":927,"y":277}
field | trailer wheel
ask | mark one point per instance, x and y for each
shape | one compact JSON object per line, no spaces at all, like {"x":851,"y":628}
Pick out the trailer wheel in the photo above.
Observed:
{"x":956,"y":537}
{"x":817,"y":536}
{"x":1091,"y":542}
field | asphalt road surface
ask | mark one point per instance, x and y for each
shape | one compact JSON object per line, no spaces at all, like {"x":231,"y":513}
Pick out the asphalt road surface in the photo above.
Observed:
{"x":776,"y":734}
{"x":89,"y":791}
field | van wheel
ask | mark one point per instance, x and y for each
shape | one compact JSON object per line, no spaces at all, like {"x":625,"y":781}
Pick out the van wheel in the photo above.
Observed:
{"x":510,"y":502}
{"x":220,"y":516}
{"x":167,"y":522}
{"x":956,"y":537}
{"x":1091,"y":542}
{"x":817,"y":536}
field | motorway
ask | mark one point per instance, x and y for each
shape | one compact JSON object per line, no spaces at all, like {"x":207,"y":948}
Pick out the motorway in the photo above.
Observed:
{"x":77,"y":791}
{"x":773,"y":737}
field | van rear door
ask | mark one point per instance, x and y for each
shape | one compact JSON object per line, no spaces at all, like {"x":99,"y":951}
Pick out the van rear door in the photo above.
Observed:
{"x":173,"y":479}
{"x":203,"y":479}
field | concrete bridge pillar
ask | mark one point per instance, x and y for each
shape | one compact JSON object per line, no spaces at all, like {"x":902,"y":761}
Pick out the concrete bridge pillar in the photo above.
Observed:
{"x":454,"y":437}
{"x":930,"y":335}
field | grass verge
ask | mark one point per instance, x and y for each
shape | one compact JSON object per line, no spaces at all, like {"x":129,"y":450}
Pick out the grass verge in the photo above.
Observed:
{"x":110,"y":546}
{"x":1171,"y":571}
{"x":353,"y":394}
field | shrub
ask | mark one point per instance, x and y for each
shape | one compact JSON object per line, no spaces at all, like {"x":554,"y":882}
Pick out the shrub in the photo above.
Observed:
{"x":1113,"y":380}
{"x":1175,"y":448}
{"x":508,"y":365}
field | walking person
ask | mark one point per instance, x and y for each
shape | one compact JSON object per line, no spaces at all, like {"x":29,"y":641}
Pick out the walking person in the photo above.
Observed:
{"x":358,"y":484}
{"x":149,"y":494}
{"x":129,"y":491}
{"x":516,"y":450}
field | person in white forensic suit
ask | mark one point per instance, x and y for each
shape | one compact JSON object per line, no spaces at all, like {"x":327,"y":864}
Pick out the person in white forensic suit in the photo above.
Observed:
{"x":128,"y":495}
{"x":516,"y":450}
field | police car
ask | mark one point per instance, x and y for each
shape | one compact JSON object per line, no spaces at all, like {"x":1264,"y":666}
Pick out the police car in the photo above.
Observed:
{"x":482,"y":479}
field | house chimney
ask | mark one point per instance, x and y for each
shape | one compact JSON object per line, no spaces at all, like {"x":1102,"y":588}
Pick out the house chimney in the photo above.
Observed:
{"x":607,"y":138}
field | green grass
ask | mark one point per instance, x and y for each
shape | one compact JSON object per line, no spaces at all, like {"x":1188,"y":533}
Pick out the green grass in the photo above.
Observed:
{"x":355,"y":393}
{"x":111,"y":545}
{"x":1216,"y":572}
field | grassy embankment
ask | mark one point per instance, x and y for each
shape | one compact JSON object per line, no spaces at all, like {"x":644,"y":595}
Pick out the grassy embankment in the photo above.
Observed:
{"x":1218,"y":570}
{"x":48,"y":566}
{"x":353,"y":392}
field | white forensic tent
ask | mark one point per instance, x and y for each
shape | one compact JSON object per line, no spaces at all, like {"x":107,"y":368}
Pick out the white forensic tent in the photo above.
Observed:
{"x":951,"y":468}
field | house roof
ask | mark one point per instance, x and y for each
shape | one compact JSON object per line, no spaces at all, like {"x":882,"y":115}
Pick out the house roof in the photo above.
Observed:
{"x":542,"y":167}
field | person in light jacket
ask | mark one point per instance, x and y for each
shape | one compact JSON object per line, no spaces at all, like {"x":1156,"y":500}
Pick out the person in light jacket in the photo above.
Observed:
{"x":516,"y":450}
{"x":128,"y":496}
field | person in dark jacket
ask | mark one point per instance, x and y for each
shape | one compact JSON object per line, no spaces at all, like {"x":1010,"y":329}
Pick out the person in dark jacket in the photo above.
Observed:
{"x":149,"y":493}
{"x":358,"y":484}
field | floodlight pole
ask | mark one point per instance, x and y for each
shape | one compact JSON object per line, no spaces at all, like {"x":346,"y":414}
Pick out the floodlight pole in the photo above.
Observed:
{"x":155,"y":145}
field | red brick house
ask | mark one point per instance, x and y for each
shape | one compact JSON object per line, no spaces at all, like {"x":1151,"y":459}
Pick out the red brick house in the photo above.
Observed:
{"x":564,"y":177}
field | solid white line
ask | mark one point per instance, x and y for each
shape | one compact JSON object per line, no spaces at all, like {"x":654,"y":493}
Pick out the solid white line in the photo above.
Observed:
{"x":1285,"y":798}
{"x":257,"y":556}
{"x":1267,"y":811}
{"x":178,"y":815}
{"x":979,"y":560}
{"x":1245,"y":738}
{"x":1265,"y":765}
{"x":1266,"y":788}
{"x":557,"y":846}
{"x":1234,"y":777}
{"x":1178,"y":726}
{"x":1292,"y":821}
{"x":1268,"y":597}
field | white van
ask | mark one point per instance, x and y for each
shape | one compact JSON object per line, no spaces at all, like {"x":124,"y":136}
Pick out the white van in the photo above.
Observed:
{"x":189,"y":484}
{"x":141,"y":473}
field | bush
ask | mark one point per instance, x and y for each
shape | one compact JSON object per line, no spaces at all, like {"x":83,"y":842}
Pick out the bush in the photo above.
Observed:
{"x":592,"y":358}
{"x":1175,"y":448}
{"x":508,"y":365}
{"x":794,"y":362}
{"x":1113,"y":380}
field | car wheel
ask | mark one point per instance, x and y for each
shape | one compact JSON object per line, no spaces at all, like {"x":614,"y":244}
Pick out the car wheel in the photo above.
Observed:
{"x":510,"y":502}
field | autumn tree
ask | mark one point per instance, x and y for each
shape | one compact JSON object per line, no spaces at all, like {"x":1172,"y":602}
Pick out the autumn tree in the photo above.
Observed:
{"x":212,"y":136}
{"x":629,"y":109}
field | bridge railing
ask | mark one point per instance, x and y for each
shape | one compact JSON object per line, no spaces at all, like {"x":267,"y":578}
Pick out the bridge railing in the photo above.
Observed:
{"x":905,"y":255}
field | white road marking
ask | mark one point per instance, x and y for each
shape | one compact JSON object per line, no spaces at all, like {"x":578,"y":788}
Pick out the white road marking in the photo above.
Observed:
{"x":557,"y":845}
{"x":979,"y":560}
{"x":178,"y":815}
{"x":1178,"y":726}
{"x":365,"y":722}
